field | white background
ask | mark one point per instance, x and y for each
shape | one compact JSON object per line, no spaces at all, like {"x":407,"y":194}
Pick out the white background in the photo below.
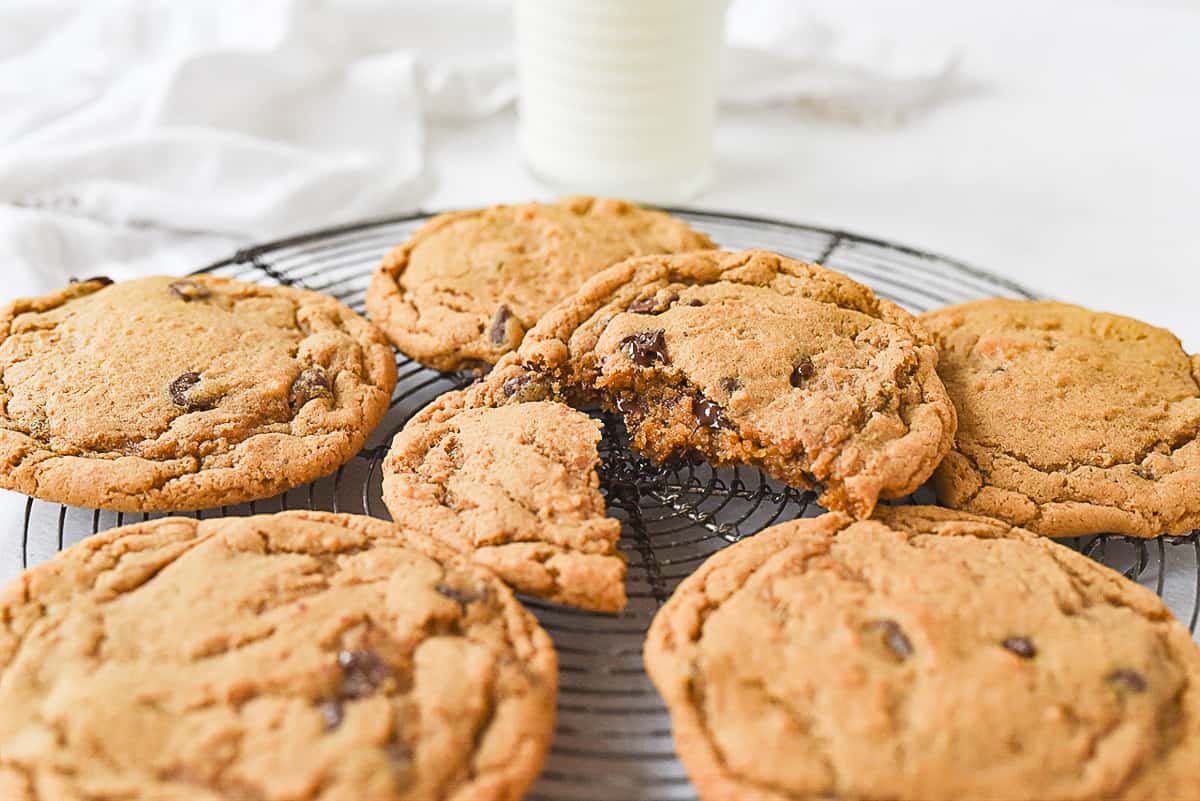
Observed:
{"x":1074,"y":168}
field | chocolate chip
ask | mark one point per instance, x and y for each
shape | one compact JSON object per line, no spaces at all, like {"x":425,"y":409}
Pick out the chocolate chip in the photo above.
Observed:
{"x":695,"y":302}
{"x":474,"y":369}
{"x":399,"y":753}
{"x":708,"y":412}
{"x":181,"y":393}
{"x":312,"y":383}
{"x":646,"y":347}
{"x":631,"y":406}
{"x":686,"y":456}
{"x":498,"y":331}
{"x":730,"y":384}
{"x":332,"y":713}
{"x":526,"y":387}
{"x":893,"y":637}
{"x":1129,"y":679}
{"x":189,"y":291}
{"x":1144,"y":472}
{"x":803,"y":371}
{"x":102,"y":280}
{"x":513,"y":385}
{"x":463,"y":597}
{"x":1021,"y":646}
{"x":362,"y":673}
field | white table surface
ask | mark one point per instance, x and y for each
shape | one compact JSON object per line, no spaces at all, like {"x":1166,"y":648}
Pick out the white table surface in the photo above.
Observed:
{"x":1074,"y":168}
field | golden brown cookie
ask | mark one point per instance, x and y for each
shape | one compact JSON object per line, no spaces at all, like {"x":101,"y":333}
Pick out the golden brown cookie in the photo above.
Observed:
{"x":304,"y":656}
{"x":515,"y":488}
{"x":747,"y":358}
{"x":465,"y":288}
{"x":929,"y":654}
{"x":1071,"y":421}
{"x":166,"y":393}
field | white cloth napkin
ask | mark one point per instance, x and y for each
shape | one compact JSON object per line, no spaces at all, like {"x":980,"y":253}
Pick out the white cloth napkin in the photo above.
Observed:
{"x":830,"y":60}
{"x":141,"y":136}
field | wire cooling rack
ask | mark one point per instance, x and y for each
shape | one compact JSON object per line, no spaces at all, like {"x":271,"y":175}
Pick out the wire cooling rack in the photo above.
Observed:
{"x":613,"y":739}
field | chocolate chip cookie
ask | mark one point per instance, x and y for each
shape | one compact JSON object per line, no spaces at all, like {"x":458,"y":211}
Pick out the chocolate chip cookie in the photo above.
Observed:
{"x":168,"y":393}
{"x":302,"y":655}
{"x":1071,"y":421}
{"x":747,"y":358}
{"x":927,"y":654}
{"x":465,"y":288}
{"x":516,"y":489}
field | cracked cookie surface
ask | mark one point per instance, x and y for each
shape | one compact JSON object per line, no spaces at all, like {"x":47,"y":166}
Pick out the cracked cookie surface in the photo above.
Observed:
{"x":515,"y":488}
{"x":1071,"y":421}
{"x":747,"y":358}
{"x":463,"y":289}
{"x":928,"y":654}
{"x":304,"y":656}
{"x":167,"y":393}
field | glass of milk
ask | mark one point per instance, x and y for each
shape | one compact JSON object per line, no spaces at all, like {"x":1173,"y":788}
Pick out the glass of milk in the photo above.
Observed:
{"x":618,"y":96}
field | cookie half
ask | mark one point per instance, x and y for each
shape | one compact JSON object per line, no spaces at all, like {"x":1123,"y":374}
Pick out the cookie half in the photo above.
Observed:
{"x":1071,"y":421}
{"x":928,"y":654}
{"x":514,"y":487}
{"x":167,"y":393}
{"x":302,"y":655}
{"x":747,"y":358}
{"x":464,"y":289}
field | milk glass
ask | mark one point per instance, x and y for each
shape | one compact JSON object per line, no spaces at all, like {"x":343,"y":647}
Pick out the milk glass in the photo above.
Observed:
{"x":618,"y":96}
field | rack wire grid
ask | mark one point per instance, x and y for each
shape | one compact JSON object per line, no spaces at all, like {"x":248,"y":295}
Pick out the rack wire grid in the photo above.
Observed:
{"x":613,"y":738}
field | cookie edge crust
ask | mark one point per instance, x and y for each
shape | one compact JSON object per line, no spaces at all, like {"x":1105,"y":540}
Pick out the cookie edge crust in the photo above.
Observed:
{"x":669,"y":657}
{"x":516,"y":777}
{"x":389,"y":308}
{"x":960,"y":484}
{"x":88,"y":482}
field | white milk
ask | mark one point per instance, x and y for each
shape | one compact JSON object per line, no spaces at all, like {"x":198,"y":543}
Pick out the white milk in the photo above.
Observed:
{"x":617,"y":96}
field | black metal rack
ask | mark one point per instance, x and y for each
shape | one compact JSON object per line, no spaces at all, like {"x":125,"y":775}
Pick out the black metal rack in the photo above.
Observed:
{"x":613,"y":738}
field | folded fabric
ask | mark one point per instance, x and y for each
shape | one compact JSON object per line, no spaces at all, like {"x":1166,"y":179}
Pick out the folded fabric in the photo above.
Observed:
{"x":832,"y":62}
{"x":140,"y":136}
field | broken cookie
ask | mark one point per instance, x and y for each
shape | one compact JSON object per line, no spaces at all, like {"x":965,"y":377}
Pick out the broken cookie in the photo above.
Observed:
{"x":515,"y":488}
{"x":749,"y":358}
